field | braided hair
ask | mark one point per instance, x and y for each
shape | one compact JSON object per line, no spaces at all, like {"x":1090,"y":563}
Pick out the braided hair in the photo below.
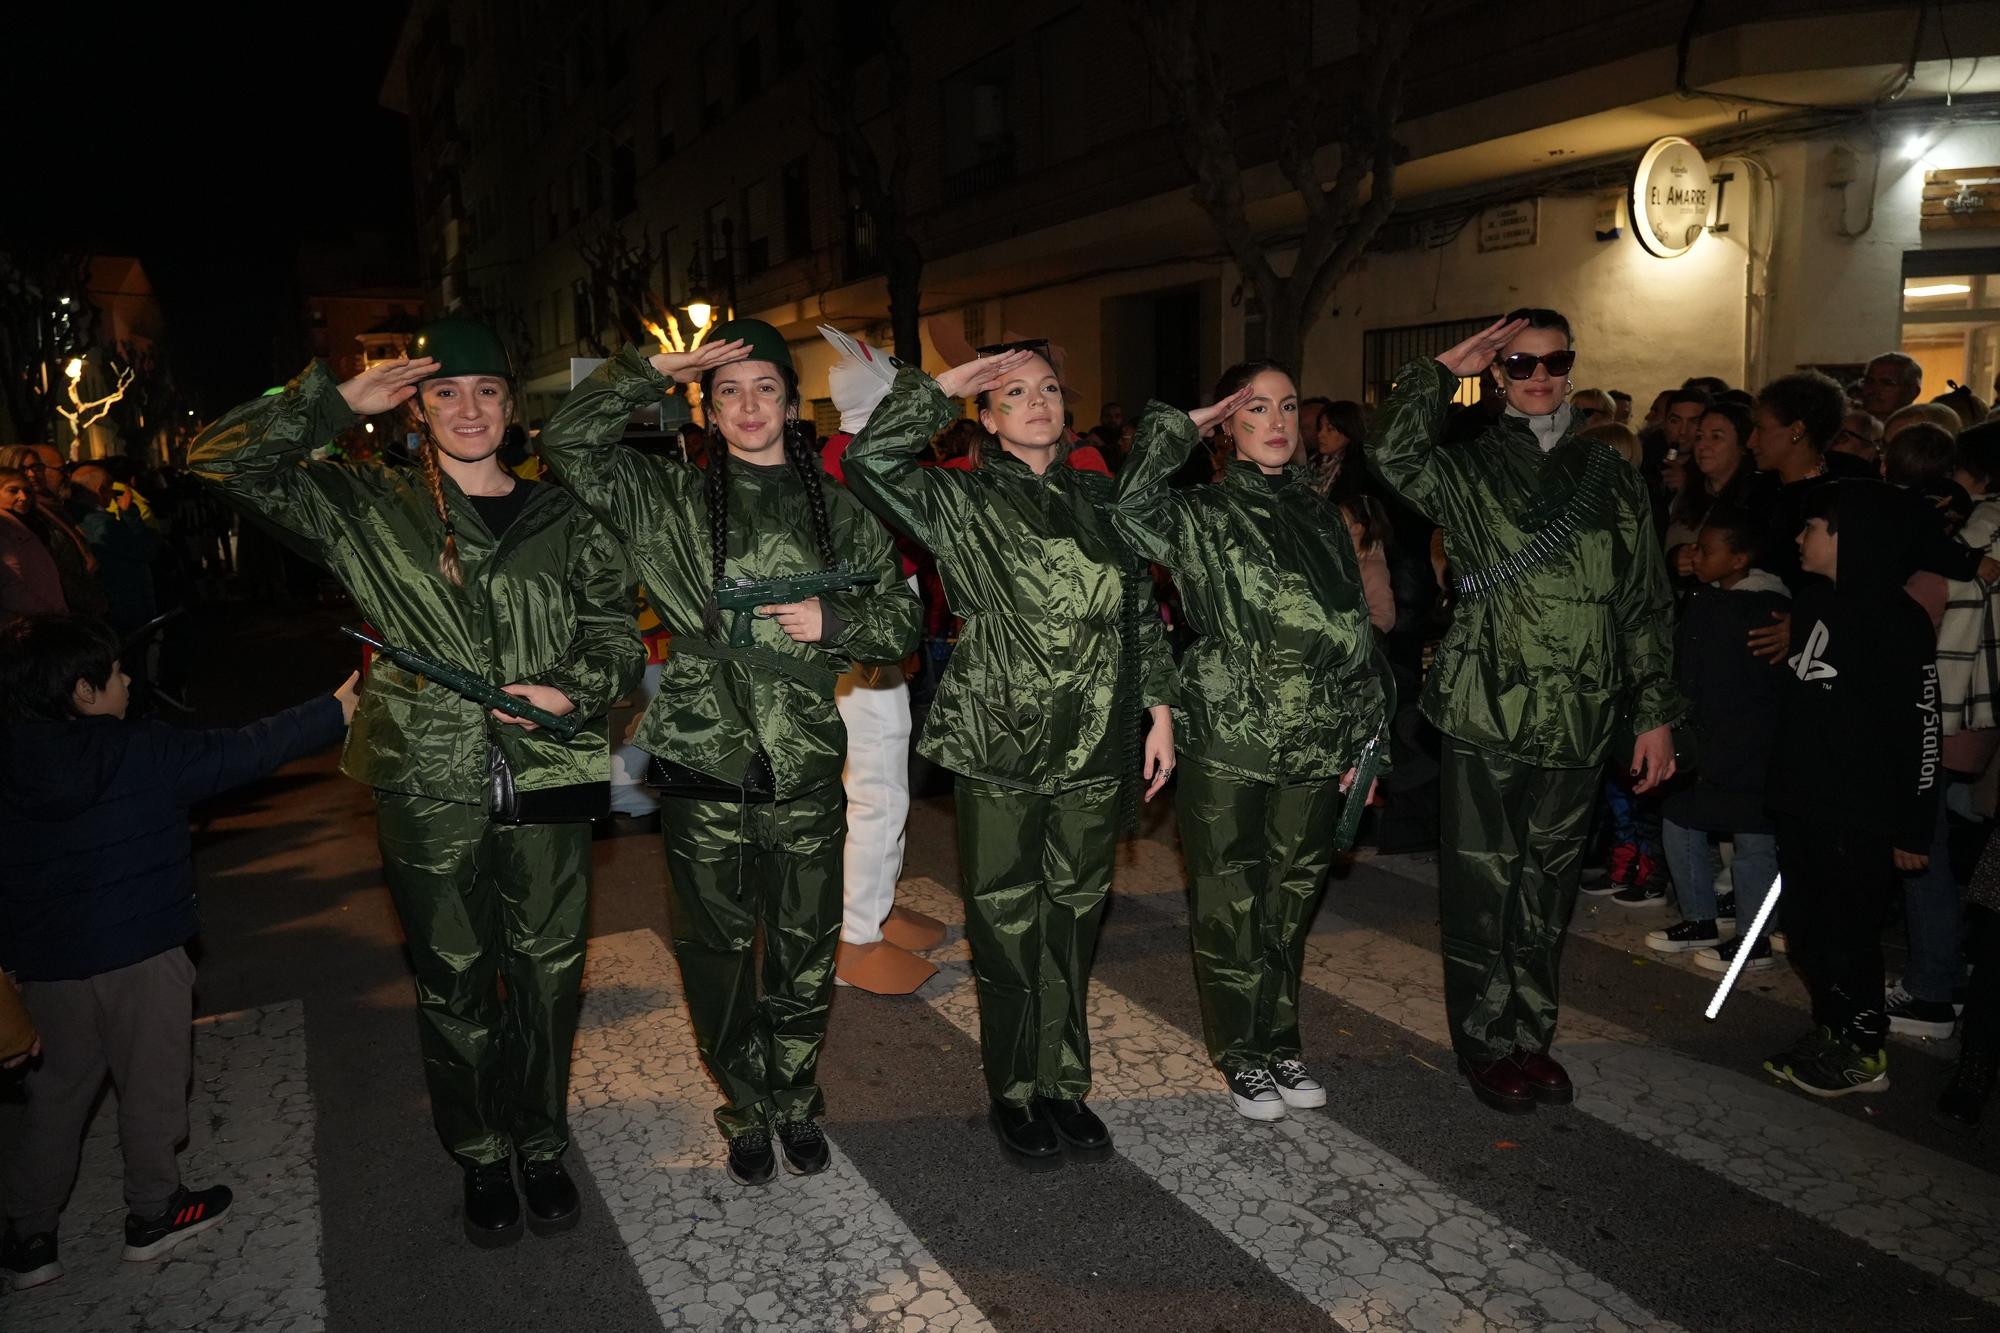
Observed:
{"x":427,"y":458}
{"x":805,"y":462}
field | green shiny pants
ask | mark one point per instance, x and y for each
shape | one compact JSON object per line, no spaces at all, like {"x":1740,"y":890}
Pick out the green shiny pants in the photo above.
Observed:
{"x":736,"y":868}
{"x":1257,"y":854}
{"x":495,"y":917}
{"x":1035,"y":871}
{"x":1512,"y":853}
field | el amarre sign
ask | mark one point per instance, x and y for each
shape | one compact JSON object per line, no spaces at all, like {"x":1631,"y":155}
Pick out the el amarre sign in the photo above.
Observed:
{"x":1671,"y":195}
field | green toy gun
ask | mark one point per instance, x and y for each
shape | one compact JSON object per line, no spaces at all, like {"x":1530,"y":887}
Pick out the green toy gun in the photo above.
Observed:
{"x":1369,"y":766}
{"x":743,"y":596}
{"x":474,"y":687}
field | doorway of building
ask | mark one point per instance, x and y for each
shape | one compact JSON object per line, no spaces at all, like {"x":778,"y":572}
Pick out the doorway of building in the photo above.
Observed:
{"x":1152,"y":349}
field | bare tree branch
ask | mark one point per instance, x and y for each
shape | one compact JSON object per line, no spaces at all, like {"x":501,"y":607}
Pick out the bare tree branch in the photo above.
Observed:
{"x":1339,"y":219}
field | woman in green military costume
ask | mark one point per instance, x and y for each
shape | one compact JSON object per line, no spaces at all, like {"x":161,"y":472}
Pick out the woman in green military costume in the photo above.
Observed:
{"x":1562,"y":637}
{"x":517,"y":582}
{"x":1277,"y":701}
{"x":747,"y":743}
{"x":1038,"y":714}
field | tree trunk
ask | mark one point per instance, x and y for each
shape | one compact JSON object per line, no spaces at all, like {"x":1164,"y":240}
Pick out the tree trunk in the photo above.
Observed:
{"x":1285,"y":329}
{"x":905,"y":273}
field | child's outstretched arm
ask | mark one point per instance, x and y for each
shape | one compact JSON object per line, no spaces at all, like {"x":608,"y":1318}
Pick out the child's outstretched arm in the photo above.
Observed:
{"x":205,"y":763}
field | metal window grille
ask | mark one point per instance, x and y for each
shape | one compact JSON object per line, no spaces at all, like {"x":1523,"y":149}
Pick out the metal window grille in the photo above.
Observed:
{"x":1385,"y":351}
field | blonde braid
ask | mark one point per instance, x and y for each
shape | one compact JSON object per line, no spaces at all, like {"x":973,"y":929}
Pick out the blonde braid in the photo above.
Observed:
{"x":427,"y":455}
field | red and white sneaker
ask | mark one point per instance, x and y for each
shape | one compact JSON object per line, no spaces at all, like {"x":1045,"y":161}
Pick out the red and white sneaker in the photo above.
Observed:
{"x":1624,"y":860}
{"x":188,"y":1213}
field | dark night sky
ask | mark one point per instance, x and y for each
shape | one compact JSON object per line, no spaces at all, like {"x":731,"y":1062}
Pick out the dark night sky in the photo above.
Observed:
{"x":211,"y":147}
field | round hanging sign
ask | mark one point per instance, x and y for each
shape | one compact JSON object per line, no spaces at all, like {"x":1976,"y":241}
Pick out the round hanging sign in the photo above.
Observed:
{"x":1670,"y":198}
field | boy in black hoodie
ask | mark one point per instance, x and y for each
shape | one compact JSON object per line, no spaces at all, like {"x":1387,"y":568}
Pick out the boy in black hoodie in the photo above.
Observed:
{"x":96,"y":902}
{"x":1855,"y":774}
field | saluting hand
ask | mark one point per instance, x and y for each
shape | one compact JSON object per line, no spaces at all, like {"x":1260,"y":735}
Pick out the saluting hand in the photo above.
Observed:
{"x":983,"y":373}
{"x":389,"y":384}
{"x":687,"y":367}
{"x":1204,"y":417}
{"x":1476,"y":353}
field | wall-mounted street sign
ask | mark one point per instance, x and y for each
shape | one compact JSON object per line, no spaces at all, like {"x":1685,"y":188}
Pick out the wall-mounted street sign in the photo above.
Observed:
{"x":1670,"y":198}
{"x":1508,"y":226}
{"x":1961,"y":197}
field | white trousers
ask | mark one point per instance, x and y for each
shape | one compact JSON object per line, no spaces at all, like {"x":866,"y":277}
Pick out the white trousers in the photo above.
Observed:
{"x":629,"y":793}
{"x":874,"y":703}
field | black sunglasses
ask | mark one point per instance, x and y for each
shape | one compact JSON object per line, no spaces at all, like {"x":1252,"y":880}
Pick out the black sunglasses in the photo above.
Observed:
{"x":1521,"y":365}
{"x":1038,"y":345}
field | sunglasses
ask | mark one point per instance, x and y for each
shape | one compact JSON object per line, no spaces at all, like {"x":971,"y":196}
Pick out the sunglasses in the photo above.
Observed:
{"x":1039,"y":346}
{"x":1521,"y":365}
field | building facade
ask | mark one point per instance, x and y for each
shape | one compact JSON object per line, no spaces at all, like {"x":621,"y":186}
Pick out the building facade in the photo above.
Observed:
{"x":1843,"y":146}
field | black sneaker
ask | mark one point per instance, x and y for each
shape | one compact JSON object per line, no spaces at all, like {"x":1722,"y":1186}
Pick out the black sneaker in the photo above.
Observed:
{"x":30,"y":1261}
{"x":492,"y":1208}
{"x":1718,"y":958}
{"x":751,"y":1161}
{"x":1919,"y":1018}
{"x":1960,"y":1105}
{"x":553,"y":1203}
{"x":188,"y":1213}
{"x":1684,"y":936}
{"x":1254,"y":1094}
{"x":805,"y":1147}
{"x":1300,"y":1090}
{"x":1804,"y":1050}
{"x":1840,"y":1067}
{"x":1648,"y":894}
{"x":1725,"y":906}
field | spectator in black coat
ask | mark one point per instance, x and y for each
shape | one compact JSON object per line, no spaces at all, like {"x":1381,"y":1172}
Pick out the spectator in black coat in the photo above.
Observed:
{"x":96,"y":904}
{"x":1729,"y":739}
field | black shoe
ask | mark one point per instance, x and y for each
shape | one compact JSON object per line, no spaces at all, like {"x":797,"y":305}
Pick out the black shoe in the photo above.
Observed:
{"x":1028,"y":1137}
{"x":188,"y":1213}
{"x":492,"y":1209}
{"x":805,"y":1147}
{"x":553,"y":1204}
{"x":1077,"y":1126}
{"x":751,"y":1161}
{"x":1685,"y":935}
{"x":1919,"y":1018}
{"x":1649,"y":894}
{"x":29,"y":1261}
{"x":1725,"y":906}
{"x":1970,"y":1087}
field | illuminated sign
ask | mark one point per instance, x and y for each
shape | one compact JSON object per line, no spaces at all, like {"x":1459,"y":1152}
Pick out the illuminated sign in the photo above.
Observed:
{"x":1671,"y":195}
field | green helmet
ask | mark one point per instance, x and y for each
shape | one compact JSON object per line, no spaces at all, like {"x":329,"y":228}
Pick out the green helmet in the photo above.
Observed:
{"x":462,"y":346}
{"x":766,"y":343}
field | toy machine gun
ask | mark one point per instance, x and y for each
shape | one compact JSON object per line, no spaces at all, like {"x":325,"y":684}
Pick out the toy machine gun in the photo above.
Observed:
{"x":742,"y":597}
{"x":469,"y":684}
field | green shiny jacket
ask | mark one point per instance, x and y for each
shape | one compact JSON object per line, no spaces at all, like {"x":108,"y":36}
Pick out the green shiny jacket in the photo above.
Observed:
{"x":549,"y":603}
{"x":1542,"y":667}
{"x":1054,"y":649}
{"x":1278,"y":687}
{"x":717,"y":706}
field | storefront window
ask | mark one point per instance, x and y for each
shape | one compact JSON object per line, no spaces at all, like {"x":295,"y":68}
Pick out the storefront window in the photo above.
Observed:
{"x":1951,"y":318}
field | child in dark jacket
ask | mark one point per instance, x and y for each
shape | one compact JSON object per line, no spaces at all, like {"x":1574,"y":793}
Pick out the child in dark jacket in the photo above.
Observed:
{"x":1855,"y":775}
{"x":96,"y":902}
{"x":1735,"y":723}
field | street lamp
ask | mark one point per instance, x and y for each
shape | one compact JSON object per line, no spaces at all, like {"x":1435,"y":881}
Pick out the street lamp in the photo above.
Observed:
{"x":75,"y":368}
{"x":699,"y":311}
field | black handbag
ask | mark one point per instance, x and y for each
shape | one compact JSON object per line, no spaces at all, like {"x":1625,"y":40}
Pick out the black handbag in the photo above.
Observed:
{"x":578,"y":802}
{"x":759,"y":785}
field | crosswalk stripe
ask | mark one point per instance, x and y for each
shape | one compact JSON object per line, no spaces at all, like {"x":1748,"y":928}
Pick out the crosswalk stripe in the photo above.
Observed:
{"x":1936,"y":1214}
{"x":1346,"y":1225}
{"x":823,"y":1251}
{"x":250,"y":1115}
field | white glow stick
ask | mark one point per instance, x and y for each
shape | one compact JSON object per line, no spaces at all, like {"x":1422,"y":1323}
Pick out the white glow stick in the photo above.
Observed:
{"x":1743,"y":949}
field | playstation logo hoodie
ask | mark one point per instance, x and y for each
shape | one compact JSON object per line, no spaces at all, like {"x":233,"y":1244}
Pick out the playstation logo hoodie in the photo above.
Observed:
{"x":1858,"y":733}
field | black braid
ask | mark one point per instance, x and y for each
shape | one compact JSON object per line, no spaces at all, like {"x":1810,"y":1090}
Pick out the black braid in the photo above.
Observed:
{"x":805,"y":461}
{"x":717,"y":494}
